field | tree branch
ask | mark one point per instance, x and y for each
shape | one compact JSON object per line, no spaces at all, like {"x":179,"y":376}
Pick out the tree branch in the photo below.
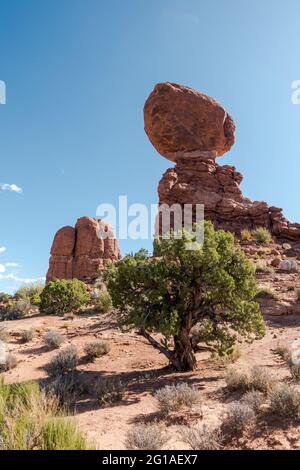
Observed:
{"x":161,"y":348}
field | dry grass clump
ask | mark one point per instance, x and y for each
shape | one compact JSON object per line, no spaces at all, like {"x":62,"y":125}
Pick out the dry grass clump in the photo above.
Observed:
{"x":110,"y":390}
{"x":175,"y":397}
{"x":285,"y":401}
{"x":237,"y":380}
{"x":227,"y":358}
{"x":238,"y":417}
{"x":246,"y":235}
{"x":4,"y":333}
{"x":203,"y":438}
{"x":146,"y":437}
{"x":266,"y":293}
{"x":283,"y":351}
{"x":97,"y":349}
{"x":261,"y":380}
{"x":254,"y":399}
{"x":67,"y":388}
{"x":262,"y":236}
{"x":53,"y":339}
{"x":8,"y":362}
{"x":63,"y":362}
{"x":27,"y":335}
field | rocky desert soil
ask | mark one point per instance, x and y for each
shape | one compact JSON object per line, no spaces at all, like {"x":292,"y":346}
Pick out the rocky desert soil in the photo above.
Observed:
{"x":144,"y":371}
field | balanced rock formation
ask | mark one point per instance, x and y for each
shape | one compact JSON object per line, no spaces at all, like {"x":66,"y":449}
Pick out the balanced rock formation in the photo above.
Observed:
{"x":82,"y":252}
{"x":192,"y":129}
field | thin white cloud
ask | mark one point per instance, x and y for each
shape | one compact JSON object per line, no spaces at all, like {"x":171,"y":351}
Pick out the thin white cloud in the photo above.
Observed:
{"x":12,"y":265}
{"x":2,"y":249}
{"x":10,"y":187}
{"x":24,"y":280}
{"x":2,"y":268}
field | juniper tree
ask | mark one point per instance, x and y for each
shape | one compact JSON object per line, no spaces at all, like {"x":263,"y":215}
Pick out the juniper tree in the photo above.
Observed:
{"x":212,"y":286}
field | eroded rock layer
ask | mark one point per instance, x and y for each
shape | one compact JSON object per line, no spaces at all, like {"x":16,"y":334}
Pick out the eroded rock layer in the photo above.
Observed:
{"x":82,"y":252}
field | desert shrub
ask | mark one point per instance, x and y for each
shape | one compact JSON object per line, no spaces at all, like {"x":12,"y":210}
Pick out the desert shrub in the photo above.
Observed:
{"x":146,"y":437}
{"x":62,"y":434}
{"x":152,"y":293}
{"x":285,"y":401}
{"x":110,"y":390}
{"x":32,"y":293}
{"x":238,"y":418}
{"x":262,"y":235}
{"x":283,"y":351}
{"x":67,"y":388}
{"x":254,"y":399}
{"x":237,"y":380}
{"x":227,"y":358}
{"x":27,"y":335}
{"x":53,"y":339}
{"x":103,"y":303}
{"x":18,"y":309}
{"x":202,"y":439}
{"x":8,"y":362}
{"x":297,"y":293}
{"x":63,"y":362}
{"x":62,"y":296}
{"x":261,"y":379}
{"x":295,"y":371}
{"x":266,"y":293}
{"x":97,"y":349}
{"x":175,"y":397}
{"x":4,"y":333}
{"x":4,"y":297}
{"x":263,"y":268}
{"x":246,"y":235}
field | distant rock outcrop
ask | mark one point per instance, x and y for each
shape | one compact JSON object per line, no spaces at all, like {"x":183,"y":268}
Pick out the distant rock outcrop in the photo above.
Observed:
{"x":192,"y":129}
{"x":80,"y":252}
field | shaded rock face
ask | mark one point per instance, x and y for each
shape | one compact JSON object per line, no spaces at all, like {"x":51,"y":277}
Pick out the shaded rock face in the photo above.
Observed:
{"x":80,"y":253}
{"x":192,"y":129}
{"x":181,"y":120}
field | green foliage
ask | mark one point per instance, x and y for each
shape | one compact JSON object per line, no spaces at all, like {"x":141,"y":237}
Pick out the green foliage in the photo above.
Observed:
{"x":63,"y":296}
{"x":246,"y":235}
{"x":262,"y":236}
{"x":62,"y":434}
{"x":32,"y":293}
{"x":30,"y":420}
{"x":4,"y":297}
{"x":103,"y":303}
{"x":179,"y":288}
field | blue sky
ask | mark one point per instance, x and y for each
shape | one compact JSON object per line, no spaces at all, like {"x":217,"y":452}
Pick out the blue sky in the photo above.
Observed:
{"x":77,"y":74}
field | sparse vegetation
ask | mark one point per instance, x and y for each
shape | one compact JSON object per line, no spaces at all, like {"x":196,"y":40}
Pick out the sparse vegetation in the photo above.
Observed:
{"x":4,"y":333}
{"x":62,"y":434}
{"x":18,"y":309}
{"x":262,"y":236}
{"x":202,"y":439}
{"x":29,"y":420}
{"x":238,"y":418}
{"x":109,"y":391}
{"x":175,"y":397}
{"x":266,"y":293}
{"x":227,"y":358}
{"x":53,"y":339}
{"x":146,"y":437}
{"x":254,"y":399}
{"x":285,"y":401}
{"x":262,"y":267}
{"x":283,"y":351}
{"x":152,"y":293}
{"x":63,"y":362}
{"x":295,"y":371}
{"x":27,"y":335}
{"x":261,"y":380}
{"x":103,"y":302}
{"x":246,"y":235}
{"x":63,"y":296}
{"x":8,"y":362}
{"x":31,"y":293}
{"x":237,"y":380}
{"x":67,"y":388}
{"x":97,"y":349}
{"x":297,"y":293}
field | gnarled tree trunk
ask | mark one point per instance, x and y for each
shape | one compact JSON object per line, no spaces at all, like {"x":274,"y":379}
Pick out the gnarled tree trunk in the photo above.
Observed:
{"x":183,"y":351}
